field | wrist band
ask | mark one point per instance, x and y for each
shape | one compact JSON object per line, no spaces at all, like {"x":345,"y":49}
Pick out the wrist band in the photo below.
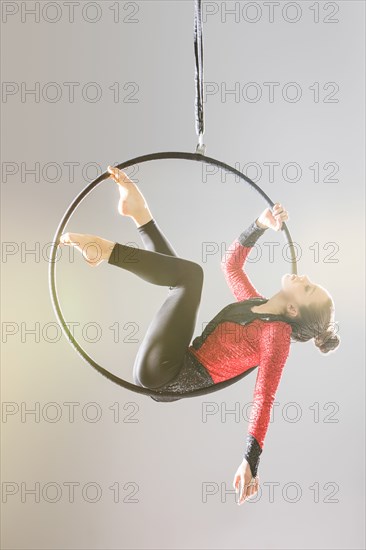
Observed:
{"x":252,"y":454}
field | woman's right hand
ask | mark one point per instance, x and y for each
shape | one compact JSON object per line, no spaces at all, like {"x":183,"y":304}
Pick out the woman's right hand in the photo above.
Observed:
{"x":244,"y":476}
{"x":273,"y":220}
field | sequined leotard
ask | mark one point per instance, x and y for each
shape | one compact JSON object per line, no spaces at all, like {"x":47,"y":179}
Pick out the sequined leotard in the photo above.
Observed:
{"x":227,"y":348}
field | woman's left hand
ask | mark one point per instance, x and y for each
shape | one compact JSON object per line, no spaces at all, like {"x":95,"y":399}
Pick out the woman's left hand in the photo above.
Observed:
{"x":244,"y":476}
{"x":274,"y":219}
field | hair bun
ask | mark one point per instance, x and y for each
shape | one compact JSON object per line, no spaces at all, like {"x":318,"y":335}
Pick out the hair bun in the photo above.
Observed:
{"x":327,"y":341}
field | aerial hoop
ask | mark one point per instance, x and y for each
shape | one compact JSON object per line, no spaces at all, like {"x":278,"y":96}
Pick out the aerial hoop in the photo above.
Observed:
{"x":60,"y":230}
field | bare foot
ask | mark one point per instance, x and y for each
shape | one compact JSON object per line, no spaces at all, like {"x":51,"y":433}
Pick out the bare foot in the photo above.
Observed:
{"x":94,"y":249}
{"x":132,"y":203}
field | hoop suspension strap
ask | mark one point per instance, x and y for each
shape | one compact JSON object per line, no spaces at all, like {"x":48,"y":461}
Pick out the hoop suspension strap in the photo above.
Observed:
{"x":198,"y":52}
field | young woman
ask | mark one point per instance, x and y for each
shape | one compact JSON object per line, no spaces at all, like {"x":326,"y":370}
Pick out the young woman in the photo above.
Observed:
{"x":252,"y":332}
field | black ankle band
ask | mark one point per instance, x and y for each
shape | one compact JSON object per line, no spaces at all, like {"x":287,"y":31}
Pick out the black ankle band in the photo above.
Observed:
{"x":147,"y":224}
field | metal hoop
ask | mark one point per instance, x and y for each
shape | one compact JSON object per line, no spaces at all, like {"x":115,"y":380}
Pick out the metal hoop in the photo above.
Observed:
{"x":60,"y":230}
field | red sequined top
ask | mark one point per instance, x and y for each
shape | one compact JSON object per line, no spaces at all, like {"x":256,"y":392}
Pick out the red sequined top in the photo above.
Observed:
{"x":231,"y":348}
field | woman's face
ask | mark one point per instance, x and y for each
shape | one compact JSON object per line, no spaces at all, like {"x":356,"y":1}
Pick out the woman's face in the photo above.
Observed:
{"x":303,"y":291}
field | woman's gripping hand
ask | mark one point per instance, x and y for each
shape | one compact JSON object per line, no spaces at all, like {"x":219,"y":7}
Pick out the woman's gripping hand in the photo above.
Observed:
{"x":273,"y":219}
{"x":243,"y":477}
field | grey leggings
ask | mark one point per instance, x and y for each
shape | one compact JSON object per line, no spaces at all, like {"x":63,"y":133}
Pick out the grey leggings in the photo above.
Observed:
{"x":161,"y":353}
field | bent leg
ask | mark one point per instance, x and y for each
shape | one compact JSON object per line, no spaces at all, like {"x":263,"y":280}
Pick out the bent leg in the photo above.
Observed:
{"x":154,"y":239}
{"x":161,"y":353}
{"x":153,"y":267}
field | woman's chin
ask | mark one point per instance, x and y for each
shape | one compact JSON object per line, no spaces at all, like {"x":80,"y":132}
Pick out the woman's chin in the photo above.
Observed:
{"x":286,"y":280}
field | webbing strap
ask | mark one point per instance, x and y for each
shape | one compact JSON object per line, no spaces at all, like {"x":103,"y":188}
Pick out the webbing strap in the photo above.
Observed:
{"x":198,"y":53}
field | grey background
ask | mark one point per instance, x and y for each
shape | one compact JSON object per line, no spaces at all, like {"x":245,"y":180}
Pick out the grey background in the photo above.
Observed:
{"x":167,"y":451}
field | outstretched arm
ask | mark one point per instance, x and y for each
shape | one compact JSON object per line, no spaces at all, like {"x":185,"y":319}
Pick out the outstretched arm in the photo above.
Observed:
{"x":275,"y":346}
{"x":233,"y":261}
{"x":273,"y":355}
